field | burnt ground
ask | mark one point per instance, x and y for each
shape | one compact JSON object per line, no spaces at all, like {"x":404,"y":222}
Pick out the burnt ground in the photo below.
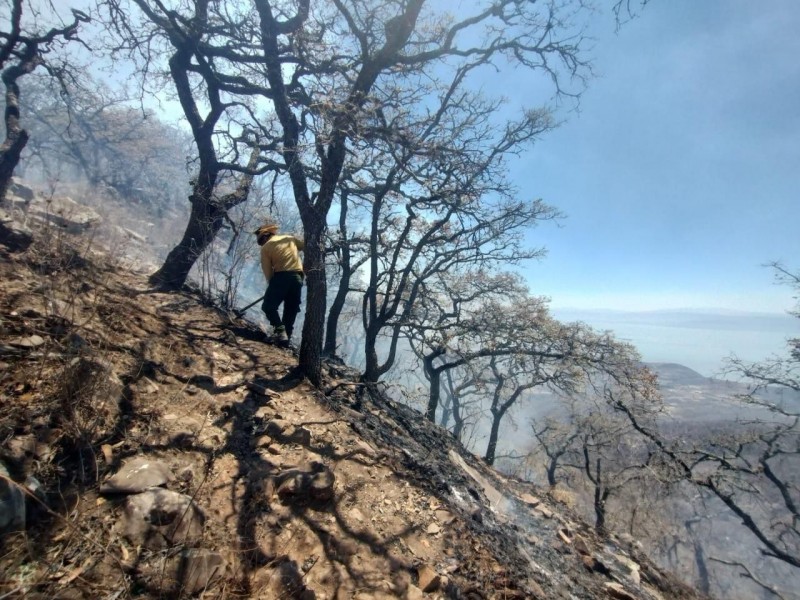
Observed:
{"x":292,"y":491}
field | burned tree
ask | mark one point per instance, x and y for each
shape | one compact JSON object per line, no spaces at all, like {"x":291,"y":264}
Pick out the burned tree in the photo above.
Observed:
{"x":316,"y":80}
{"x":23,"y":48}
{"x":92,"y":132}
{"x":190,"y":36}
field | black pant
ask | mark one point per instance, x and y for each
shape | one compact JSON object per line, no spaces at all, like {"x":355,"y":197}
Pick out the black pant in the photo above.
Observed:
{"x":283,"y":287}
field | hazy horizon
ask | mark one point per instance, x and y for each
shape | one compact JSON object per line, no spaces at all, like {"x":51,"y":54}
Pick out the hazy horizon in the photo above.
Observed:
{"x":697,"y":338}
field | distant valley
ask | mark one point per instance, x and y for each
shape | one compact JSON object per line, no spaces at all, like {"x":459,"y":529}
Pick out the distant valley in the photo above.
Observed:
{"x":689,"y":396}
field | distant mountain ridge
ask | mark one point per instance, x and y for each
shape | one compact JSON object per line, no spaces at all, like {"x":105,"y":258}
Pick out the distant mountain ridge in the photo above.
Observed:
{"x":674,"y":374}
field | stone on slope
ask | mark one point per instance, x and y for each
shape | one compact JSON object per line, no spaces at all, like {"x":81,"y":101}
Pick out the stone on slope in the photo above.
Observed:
{"x":12,"y":503}
{"x":136,"y":476}
{"x":64,"y":212}
{"x":13,"y":235}
{"x":185,"y":574}
{"x":158,"y":518}
{"x":310,"y":482}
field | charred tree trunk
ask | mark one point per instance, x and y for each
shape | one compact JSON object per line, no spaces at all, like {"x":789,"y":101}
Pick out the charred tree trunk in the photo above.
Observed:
{"x":206,"y":218}
{"x":331,"y":331}
{"x":372,"y":367}
{"x":25,"y":53}
{"x":551,"y":471}
{"x":450,"y":403}
{"x":494,"y":434}
{"x":600,"y":498}
{"x":205,"y":221}
{"x":458,"y":419}
{"x":316,"y":296}
{"x":16,"y":136}
{"x":435,"y":377}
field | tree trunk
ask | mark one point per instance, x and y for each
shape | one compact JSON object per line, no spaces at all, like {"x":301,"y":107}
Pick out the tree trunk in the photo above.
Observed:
{"x":316,"y":298}
{"x":458,"y":428}
{"x":551,"y":472}
{"x":600,"y":497}
{"x":331,"y":331}
{"x":494,"y":433}
{"x":10,"y":152}
{"x":447,"y":412}
{"x":16,"y":136}
{"x":205,"y":221}
{"x":371,"y":368}
{"x":703,"y":578}
{"x":435,"y":377}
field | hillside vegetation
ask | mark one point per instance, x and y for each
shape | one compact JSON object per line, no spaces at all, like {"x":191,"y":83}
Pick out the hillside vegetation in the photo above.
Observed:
{"x":254,"y":483}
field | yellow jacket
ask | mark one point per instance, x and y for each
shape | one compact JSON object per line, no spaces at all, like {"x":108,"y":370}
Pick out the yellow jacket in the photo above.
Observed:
{"x":281,"y":253}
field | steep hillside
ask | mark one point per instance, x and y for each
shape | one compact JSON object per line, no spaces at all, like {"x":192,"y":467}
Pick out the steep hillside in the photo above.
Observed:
{"x":155,"y":447}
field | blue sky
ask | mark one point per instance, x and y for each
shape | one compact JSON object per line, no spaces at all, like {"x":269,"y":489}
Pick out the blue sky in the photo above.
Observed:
{"x":680,"y":176}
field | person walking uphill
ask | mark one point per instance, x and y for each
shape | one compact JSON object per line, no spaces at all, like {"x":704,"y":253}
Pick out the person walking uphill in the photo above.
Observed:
{"x":283,"y":269}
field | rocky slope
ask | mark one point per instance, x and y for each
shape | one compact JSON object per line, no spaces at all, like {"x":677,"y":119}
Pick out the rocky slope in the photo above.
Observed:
{"x":153,"y":446}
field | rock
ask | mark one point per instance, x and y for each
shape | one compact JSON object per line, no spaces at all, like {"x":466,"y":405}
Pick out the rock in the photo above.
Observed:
{"x":537,"y":590}
{"x":287,"y":582}
{"x":93,"y":391}
{"x":413,"y":593}
{"x":75,"y":342}
{"x":13,"y":235}
{"x":445,"y":516}
{"x":530,"y":500}
{"x":433,"y":529}
{"x":615,"y":590}
{"x":581,"y":546}
{"x":366,"y":449}
{"x":136,"y":476}
{"x":629,"y":568}
{"x":35,"y":487}
{"x":356,"y":515}
{"x":264,"y":413}
{"x":312,"y":481}
{"x":64,"y":212}
{"x":588,"y":562}
{"x":564,"y":535}
{"x":285,"y":432}
{"x":12,"y":503}
{"x":185,"y":574}
{"x":544,"y":511}
{"x":31,"y":341}
{"x":429,"y":580}
{"x":147,"y":386}
{"x":33,"y":446}
{"x":159,"y":518}
{"x":21,"y":190}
